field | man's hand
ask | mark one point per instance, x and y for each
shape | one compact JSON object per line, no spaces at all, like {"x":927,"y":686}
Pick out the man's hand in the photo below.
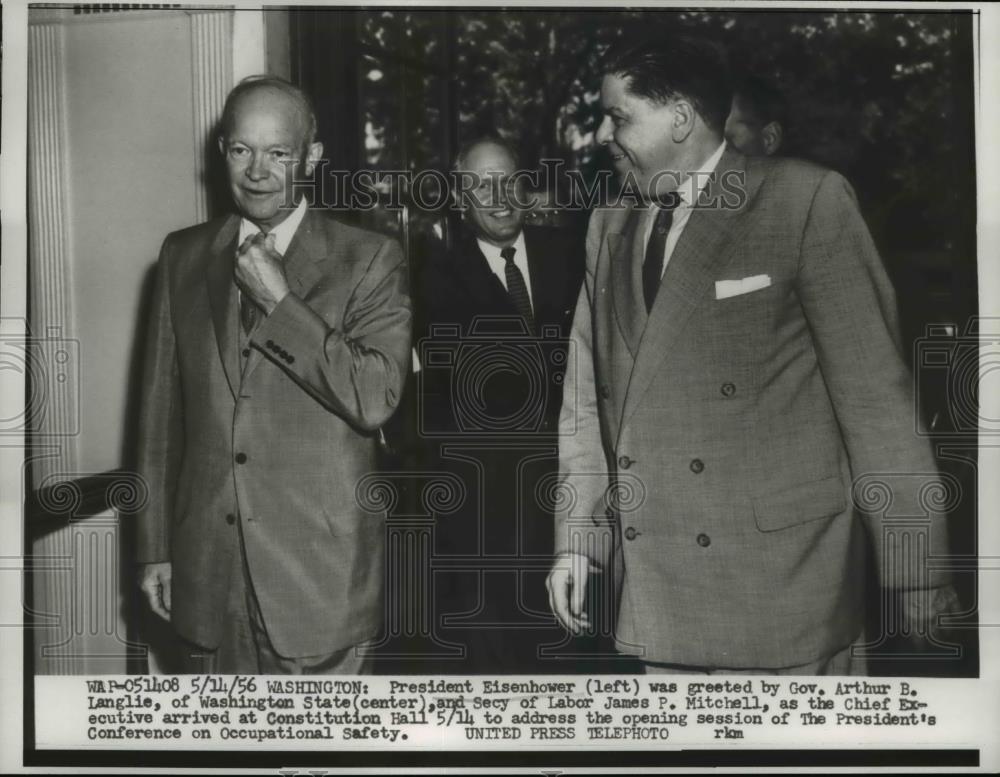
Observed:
{"x":154,"y":580}
{"x":567,"y":584}
{"x":260,"y":273}
{"x":922,"y":608}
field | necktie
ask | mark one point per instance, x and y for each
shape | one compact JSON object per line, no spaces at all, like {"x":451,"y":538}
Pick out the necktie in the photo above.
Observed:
{"x":652,"y":266}
{"x":516,"y":287}
{"x":248,"y":313}
{"x":248,"y":310}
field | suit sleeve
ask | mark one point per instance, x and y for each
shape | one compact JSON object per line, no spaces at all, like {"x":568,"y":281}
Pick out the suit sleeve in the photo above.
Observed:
{"x":357,"y":372}
{"x":161,"y":428}
{"x":850,"y":305}
{"x":581,"y":522}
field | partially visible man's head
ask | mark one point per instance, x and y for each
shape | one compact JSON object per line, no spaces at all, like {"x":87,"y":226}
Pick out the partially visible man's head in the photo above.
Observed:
{"x":489,"y":198}
{"x":665,"y":102}
{"x":268,"y":136}
{"x":757,"y":121}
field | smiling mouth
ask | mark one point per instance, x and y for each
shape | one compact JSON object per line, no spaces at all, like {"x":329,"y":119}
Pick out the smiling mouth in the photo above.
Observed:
{"x":501,"y":214}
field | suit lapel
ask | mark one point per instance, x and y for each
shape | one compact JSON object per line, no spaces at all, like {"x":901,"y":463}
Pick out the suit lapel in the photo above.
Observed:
{"x":709,"y":239}
{"x":545,"y":270}
{"x":222,"y":299}
{"x":626,"y":251}
{"x":486,"y":292}
{"x":303,"y":268}
{"x":304,"y":257}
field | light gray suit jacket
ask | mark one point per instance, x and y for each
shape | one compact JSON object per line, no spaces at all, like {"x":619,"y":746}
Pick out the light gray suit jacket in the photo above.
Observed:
{"x":732,"y":430}
{"x":281,"y":443}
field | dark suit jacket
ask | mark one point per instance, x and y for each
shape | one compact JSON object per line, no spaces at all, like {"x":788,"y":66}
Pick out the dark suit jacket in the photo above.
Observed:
{"x":736,"y":426}
{"x":282,"y":444}
{"x":489,"y":390}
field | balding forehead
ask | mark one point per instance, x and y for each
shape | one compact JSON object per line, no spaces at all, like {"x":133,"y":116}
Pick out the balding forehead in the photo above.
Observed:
{"x":275,"y":100}
{"x":272,"y":98}
{"x":496,"y":153}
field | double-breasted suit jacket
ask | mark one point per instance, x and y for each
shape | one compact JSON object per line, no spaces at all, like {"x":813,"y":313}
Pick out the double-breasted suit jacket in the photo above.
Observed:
{"x":733,"y":425}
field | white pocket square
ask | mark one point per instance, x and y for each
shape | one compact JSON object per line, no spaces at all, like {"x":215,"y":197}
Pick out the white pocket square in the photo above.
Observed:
{"x":724,"y":289}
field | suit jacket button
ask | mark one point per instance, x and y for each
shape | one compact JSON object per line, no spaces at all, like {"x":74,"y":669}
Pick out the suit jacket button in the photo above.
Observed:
{"x":625,"y":462}
{"x":241,"y":458}
{"x":704,"y":540}
{"x":289,"y":358}
{"x":270,"y":343}
{"x":697,"y":466}
{"x":631,"y":533}
{"x":728,"y":389}
{"x":230,"y":519}
{"x":605,"y":392}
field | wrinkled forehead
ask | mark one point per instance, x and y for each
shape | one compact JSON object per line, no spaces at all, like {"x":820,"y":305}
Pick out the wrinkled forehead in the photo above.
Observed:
{"x":489,"y":159}
{"x":270,"y":112}
{"x":617,"y":94}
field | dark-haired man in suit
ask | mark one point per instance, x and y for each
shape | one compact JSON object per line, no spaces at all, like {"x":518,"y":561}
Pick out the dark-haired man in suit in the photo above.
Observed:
{"x":736,"y":369}
{"x":757,"y":121}
{"x":499,"y":303}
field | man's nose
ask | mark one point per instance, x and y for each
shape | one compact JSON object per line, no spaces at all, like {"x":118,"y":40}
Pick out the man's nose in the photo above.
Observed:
{"x":258,"y":168}
{"x":605,"y":131}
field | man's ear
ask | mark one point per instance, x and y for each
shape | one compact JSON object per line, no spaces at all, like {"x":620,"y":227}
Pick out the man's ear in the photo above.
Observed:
{"x":771,"y":137}
{"x":313,"y":156}
{"x":683,"y":121}
{"x":222,"y":145}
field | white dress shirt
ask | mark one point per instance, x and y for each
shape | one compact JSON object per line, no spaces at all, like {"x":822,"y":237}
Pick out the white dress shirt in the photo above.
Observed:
{"x":689,"y":190}
{"x":498,"y":263}
{"x":283,"y":233}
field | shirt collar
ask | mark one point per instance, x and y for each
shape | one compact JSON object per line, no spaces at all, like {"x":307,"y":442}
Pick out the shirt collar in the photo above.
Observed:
{"x":283,"y":233}
{"x":492,"y":252}
{"x":687,"y":191}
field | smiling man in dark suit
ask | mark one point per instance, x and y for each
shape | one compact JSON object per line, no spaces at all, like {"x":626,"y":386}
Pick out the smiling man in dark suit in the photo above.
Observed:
{"x":278,"y":344}
{"x":498,"y":307}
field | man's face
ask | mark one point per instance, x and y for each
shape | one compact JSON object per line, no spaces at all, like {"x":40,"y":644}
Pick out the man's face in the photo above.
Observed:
{"x":263,"y":147}
{"x":492,"y":209}
{"x":743,"y":130}
{"x":639,"y":135}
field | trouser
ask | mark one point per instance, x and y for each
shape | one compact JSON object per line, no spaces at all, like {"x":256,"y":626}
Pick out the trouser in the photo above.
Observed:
{"x":840,"y":663}
{"x":246,"y":648}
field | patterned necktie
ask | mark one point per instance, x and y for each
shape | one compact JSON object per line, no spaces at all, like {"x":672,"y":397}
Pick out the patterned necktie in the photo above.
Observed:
{"x":516,"y":287}
{"x":652,"y":266}
{"x":248,"y":310}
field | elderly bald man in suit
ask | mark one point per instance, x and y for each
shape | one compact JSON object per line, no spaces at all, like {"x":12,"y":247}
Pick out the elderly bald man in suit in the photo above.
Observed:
{"x":278,"y":346}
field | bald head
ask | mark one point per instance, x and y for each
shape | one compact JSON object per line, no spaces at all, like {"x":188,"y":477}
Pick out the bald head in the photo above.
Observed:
{"x":279,"y":95}
{"x":491,"y":206}
{"x":266,"y":138}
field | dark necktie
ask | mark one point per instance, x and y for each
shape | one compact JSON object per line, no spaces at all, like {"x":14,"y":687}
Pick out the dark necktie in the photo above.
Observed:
{"x":652,"y":266}
{"x":248,"y":312}
{"x":516,"y":287}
